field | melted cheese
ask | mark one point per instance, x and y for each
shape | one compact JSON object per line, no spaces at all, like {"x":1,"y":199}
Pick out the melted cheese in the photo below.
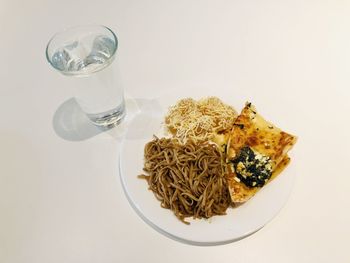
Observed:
{"x":252,"y":130}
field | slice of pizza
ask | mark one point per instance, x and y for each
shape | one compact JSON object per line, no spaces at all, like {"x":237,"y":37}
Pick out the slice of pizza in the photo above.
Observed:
{"x":256,"y":152}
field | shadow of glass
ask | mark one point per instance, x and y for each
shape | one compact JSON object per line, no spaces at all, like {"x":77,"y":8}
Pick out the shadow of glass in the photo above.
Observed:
{"x":147,"y":121}
{"x":71,"y":123}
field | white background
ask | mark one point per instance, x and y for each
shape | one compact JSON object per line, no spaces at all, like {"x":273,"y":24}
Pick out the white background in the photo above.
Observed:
{"x":61,"y":200}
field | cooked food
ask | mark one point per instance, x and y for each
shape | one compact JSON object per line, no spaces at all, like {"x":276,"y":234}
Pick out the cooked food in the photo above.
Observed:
{"x":199,"y":120}
{"x":213,"y":158}
{"x":257,"y":152}
{"x":187,"y":178}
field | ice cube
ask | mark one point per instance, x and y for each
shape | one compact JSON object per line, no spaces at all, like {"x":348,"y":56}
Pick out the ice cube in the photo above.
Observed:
{"x":60,"y":59}
{"x":72,"y":46}
{"x":103,"y":47}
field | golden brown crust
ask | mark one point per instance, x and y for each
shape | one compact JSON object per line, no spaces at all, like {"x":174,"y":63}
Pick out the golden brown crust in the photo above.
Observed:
{"x":251,"y":129}
{"x":240,"y":193}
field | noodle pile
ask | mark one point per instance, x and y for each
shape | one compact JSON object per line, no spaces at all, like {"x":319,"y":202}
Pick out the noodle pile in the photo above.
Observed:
{"x":187,"y":178}
{"x":199,"y":120}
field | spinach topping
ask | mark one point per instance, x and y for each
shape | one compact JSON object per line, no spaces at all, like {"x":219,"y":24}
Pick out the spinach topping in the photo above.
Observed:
{"x":253,"y":169}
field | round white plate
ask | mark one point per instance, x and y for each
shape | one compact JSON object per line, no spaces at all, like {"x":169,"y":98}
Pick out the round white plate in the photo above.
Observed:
{"x":237,"y":224}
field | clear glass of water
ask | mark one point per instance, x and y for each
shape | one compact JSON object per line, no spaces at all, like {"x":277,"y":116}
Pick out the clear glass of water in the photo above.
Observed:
{"x":86,"y":55}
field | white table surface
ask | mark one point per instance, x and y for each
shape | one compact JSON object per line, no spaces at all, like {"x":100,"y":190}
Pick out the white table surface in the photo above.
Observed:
{"x":60,"y":196}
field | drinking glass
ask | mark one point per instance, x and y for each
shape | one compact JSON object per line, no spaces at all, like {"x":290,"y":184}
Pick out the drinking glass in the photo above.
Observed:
{"x":86,"y":54}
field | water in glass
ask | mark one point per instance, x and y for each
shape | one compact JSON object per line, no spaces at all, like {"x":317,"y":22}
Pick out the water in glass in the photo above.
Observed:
{"x":98,"y":87}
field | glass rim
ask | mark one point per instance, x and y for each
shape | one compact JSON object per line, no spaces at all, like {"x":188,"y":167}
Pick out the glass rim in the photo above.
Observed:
{"x":81,"y":73}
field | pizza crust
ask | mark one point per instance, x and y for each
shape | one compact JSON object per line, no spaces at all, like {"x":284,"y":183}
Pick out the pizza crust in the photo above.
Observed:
{"x":252,"y":130}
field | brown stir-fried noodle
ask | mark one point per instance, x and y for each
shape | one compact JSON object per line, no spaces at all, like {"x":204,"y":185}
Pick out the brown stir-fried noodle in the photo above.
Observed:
{"x":187,"y":178}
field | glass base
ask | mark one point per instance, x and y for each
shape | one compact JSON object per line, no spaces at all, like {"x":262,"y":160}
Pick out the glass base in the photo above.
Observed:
{"x":109,"y":118}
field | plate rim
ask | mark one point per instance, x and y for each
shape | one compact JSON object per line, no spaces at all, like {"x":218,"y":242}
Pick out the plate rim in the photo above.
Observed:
{"x":177,"y":238}
{"x":188,"y":239}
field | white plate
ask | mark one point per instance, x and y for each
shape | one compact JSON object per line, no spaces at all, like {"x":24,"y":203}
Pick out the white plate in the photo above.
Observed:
{"x":237,"y":224}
